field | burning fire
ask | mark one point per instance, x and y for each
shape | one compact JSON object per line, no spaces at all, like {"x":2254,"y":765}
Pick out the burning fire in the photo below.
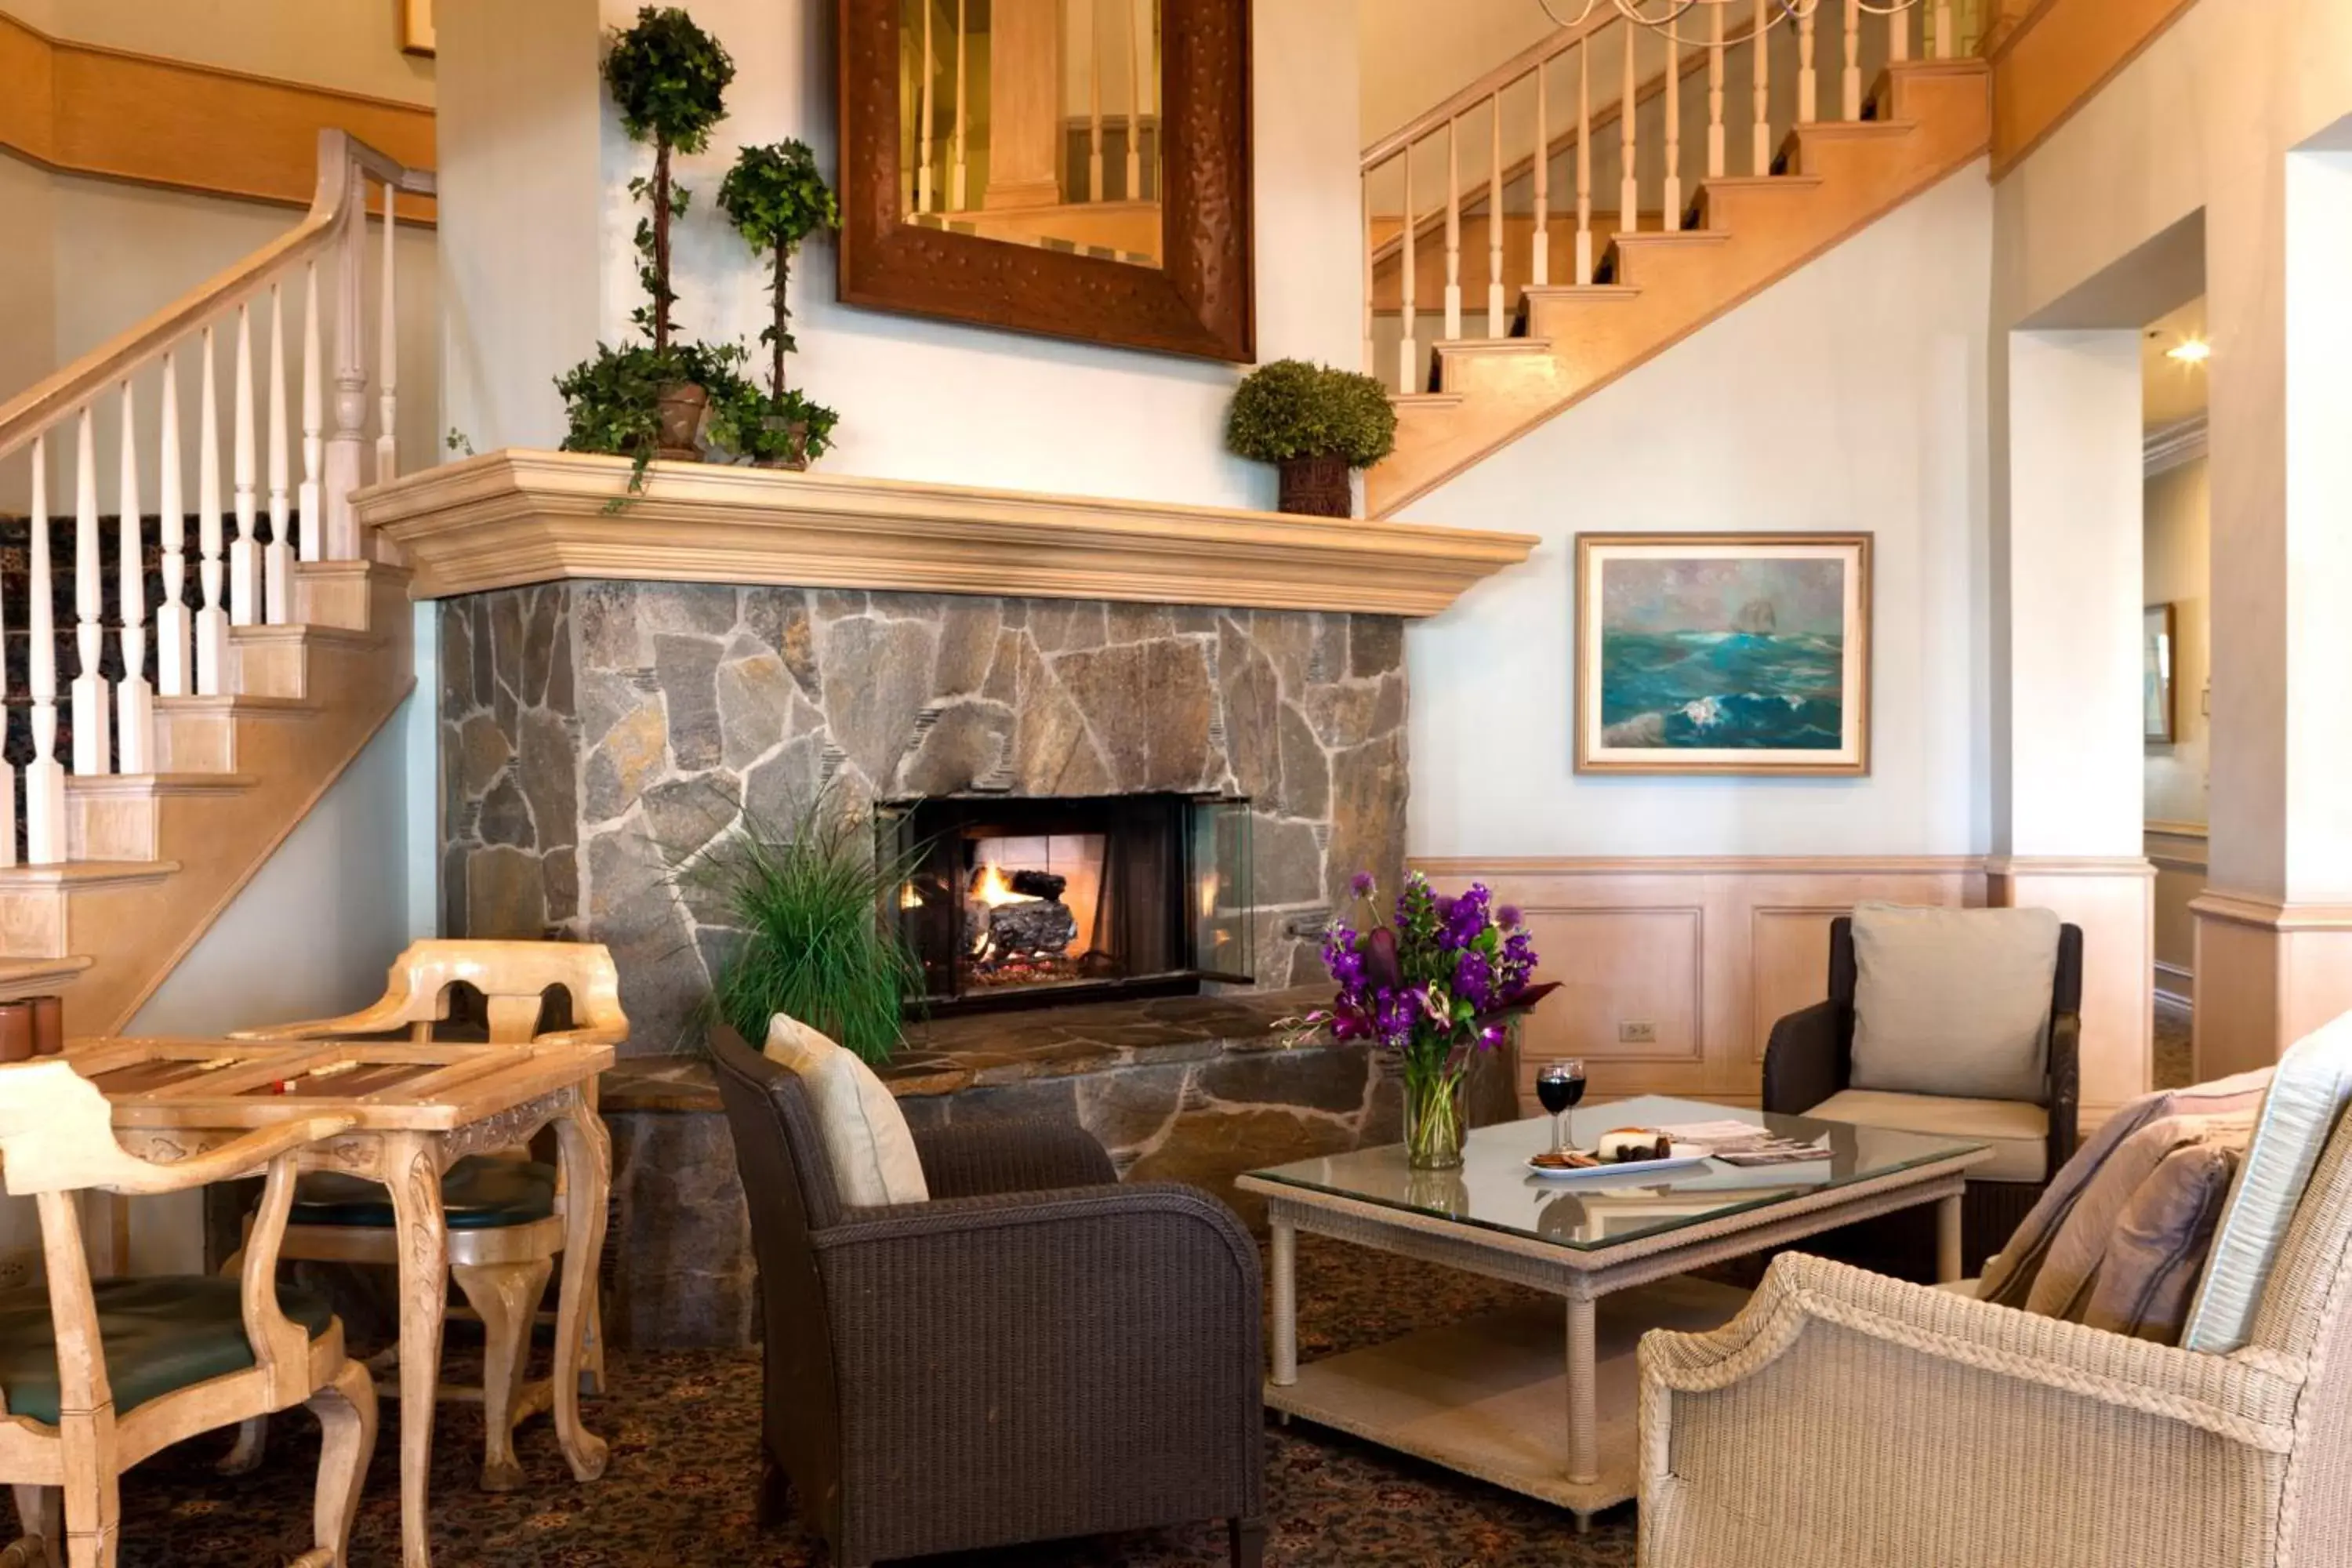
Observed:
{"x":990,"y":888}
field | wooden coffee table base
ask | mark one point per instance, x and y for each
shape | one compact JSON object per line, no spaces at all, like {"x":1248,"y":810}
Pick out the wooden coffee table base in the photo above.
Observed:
{"x":1488,"y":1397}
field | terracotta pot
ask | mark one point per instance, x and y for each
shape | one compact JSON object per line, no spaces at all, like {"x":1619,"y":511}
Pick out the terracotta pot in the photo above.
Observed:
{"x":1316,"y":486}
{"x":48,"y":1025}
{"x":684,"y":406}
{"x":15,"y":1031}
{"x":798,"y":430}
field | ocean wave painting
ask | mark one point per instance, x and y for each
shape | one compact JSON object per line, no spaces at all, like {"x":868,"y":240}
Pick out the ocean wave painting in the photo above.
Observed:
{"x":1726,"y":653}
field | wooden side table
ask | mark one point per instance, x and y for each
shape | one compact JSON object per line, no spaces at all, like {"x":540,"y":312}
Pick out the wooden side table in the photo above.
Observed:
{"x":416,"y":1107}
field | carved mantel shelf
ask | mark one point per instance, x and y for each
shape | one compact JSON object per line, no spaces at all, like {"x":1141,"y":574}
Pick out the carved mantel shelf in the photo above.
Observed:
{"x":510,"y":518}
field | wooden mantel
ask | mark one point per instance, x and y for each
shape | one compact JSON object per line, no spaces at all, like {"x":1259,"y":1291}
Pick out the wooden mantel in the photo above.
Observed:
{"x":510,"y":518}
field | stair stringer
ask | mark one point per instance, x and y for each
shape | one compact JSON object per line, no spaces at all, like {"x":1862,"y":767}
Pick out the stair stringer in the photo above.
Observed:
{"x":235,"y":775}
{"x":1753,"y":233}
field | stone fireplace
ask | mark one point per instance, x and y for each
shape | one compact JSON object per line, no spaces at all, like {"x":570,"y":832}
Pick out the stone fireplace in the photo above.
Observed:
{"x":1148,"y":746}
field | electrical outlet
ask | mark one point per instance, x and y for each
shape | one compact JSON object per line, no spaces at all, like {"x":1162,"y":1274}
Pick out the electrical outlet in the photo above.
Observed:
{"x":20,"y":1266}
{"x":1636,"y":1032}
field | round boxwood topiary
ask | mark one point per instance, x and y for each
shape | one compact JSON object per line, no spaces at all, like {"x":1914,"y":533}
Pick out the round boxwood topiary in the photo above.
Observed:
{"x":1292,"y":408}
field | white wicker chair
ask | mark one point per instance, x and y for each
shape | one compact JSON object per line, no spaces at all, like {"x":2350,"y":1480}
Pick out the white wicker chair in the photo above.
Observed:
{"x":1846,"y":1420}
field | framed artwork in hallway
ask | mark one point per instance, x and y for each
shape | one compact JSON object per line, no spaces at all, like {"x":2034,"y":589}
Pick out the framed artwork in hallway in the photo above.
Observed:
{"x":1722,"y":653}
{"x":416,"y":27}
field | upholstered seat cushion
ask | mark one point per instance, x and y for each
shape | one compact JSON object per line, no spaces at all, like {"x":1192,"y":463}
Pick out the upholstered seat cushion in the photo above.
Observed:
{"x":1953,"y":1002}
{"x":2018,"y":1132}
{"x":160,"y":1334}
{"x":866,"y":1139}
{"x":478,"y":1193}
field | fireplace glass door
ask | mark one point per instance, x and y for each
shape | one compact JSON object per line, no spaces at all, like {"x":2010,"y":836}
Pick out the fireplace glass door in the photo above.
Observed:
{"x":1028,"y":902}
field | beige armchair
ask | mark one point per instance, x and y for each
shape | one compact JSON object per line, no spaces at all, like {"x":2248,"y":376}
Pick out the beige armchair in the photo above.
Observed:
{"x":1848,"y":1419}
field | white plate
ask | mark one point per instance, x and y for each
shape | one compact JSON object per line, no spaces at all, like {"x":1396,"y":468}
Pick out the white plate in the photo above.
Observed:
{"x":1683,"y":1154}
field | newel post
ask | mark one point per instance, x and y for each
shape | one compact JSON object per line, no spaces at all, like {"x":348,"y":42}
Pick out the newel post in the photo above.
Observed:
{"x":345,"y":444}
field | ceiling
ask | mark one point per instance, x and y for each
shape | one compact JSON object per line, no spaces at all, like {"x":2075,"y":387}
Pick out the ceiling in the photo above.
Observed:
{"x":2171,"y":391}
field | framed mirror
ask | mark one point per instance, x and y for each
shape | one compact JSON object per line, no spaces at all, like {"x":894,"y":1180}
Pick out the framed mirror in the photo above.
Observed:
{"x":1079,"y":168}
{"x":2159,"y":640}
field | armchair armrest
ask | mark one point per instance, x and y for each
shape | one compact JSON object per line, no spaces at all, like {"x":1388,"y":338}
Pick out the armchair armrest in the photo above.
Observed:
{"x":975,"y":1161}
{"x":1864,"y":1361}
{"x":2065,"y":1088}
{"x":1805,"y":1061}
{"x":1093,"y":1354}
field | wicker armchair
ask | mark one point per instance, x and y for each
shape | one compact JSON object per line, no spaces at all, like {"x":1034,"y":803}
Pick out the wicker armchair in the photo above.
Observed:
{"x":1808,"y":1060}
{"x":1036,"y":1353}
{"x":1846,"y":1420}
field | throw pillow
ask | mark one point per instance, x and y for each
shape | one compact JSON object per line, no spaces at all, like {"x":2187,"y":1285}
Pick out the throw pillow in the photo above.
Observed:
{"x":2011,"y":1275}
{"x":2308,"y":1092}
{"x":2064,"y":1284}
{"x":866,"y":1139}
{"x":1953,"y":1002}
{"x":2160,"y":1243}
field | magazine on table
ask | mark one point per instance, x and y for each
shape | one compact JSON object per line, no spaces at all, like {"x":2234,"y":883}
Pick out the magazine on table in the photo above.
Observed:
{"x":1744,"y":1145}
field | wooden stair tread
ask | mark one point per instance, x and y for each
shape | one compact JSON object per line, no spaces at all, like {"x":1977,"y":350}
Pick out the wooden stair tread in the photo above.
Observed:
{"x":1762,"y":182}
{"x":1490,"y":345}
{"x":158,"y":784}
{"x":1860,"y":130}
{"x":1425,"y":399}
{"x":307,"y":632}
{"x":23,"y":976}
{"x":235,"y":702}
{"x":1597,"y":291}
{"x":1672,"y":236}
{"x":83,"y":874}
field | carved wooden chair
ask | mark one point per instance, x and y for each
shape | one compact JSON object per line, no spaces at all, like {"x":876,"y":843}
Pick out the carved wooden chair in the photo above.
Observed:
{"x":505,"y":1211}
{"x":97,"y":1376}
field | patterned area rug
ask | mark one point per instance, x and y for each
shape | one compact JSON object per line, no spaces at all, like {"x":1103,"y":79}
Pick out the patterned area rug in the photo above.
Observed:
{"x":684,"y":1429}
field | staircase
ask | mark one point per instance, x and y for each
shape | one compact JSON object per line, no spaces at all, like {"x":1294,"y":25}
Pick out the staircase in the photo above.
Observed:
{"x":1684,"y":240}
{"x":275,"y":653}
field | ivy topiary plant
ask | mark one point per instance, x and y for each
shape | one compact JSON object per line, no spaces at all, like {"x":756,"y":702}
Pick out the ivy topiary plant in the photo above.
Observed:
{"x":1317,"y":423}
{"x":776,"y":198}
{"x":669,"y":79}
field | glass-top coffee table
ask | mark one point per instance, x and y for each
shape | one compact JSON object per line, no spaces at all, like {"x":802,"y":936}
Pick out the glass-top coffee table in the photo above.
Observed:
{"x":1510,"y":1398}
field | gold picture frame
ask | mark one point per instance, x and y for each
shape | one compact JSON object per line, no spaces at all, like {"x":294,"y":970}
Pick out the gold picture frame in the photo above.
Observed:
{"x":1722,"y":653}
{"x":416,"y":27}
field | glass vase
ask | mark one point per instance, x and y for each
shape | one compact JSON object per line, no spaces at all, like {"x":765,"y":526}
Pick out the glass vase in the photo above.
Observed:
{"x":1433,"y":1122}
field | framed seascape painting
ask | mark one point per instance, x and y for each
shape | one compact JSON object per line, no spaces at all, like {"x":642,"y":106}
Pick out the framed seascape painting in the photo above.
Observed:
{"x":1722,"y":653}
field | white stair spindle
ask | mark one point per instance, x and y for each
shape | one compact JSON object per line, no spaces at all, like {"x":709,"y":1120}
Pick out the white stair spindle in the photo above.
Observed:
{"x":314,"y":420}
{"x":134,"y":700}
{"x":1095,"y":191}
{"x":91,"y":710}
{"x":923,"y":182}
{"x":1453,"y":231}
{"x":171,"y":514}
{"x":278,"y":555}
{"x":959,"y":192}
{"x":1673,"y":204}
{"x":1944,"y":46}
{"x":1135,"y":45}
{"x":1629,"y":189}
{"x":1584,"y":161}
{"x":1850,"y":82}
{"x":1761,"y":46}
{"x":1409,"y":280}
{"x":387,"y":394}
{"x":350,"y":393}
{"x":212,"y":620}
{"x":245,"y":554}
{"x":1371,"y":352}
{"x":45,"y":777}
{"x":1715,"y":143}
{"x":1494,"y":327}
{"x":1898,"y":33}
{"x":1808,"y":102}
{"x":1540,"y":255}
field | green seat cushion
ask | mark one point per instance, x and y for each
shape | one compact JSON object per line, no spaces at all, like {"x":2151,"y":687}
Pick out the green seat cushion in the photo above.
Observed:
{"x":478,"y":1193}
{"x":161,"y":1334}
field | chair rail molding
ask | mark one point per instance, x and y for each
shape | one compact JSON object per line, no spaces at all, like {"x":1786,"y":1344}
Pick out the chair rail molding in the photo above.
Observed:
{"x":87,"y":110}
{"x":510,"y":518}
{"x":2168,"y":447}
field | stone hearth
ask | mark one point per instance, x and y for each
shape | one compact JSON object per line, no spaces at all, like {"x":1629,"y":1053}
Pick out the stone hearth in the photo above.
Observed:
{"x":595,"y":734}
{"x":1193,"y":1089}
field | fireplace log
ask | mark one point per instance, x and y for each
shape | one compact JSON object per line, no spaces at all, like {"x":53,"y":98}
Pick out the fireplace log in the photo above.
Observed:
{"x":1043,"y":926}
{"x":1039,"y":884}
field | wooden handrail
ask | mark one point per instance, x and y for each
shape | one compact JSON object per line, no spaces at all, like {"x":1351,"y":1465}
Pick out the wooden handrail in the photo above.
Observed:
{"x":46,"y":403}
{"x":1526,"y":63}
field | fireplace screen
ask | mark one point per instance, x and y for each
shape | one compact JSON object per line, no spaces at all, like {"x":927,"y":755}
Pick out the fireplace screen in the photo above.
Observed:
{"x":1024,"y":902}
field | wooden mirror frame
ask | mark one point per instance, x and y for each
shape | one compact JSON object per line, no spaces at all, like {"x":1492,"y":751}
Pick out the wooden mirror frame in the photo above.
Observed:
{"x":1199,"y":302}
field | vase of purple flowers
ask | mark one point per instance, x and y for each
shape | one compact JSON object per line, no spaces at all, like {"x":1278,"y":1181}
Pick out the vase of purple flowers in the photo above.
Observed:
{"x":1435,"y":985}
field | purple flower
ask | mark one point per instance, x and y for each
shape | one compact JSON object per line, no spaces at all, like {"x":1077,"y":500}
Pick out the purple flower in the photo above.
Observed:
{"x":1473,"y":980}
{"x":1362,"y":884}
{"x":1507,"y":917}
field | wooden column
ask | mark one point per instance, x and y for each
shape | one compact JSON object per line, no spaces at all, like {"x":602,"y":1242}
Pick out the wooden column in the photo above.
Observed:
{"x":1024,"y":105}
